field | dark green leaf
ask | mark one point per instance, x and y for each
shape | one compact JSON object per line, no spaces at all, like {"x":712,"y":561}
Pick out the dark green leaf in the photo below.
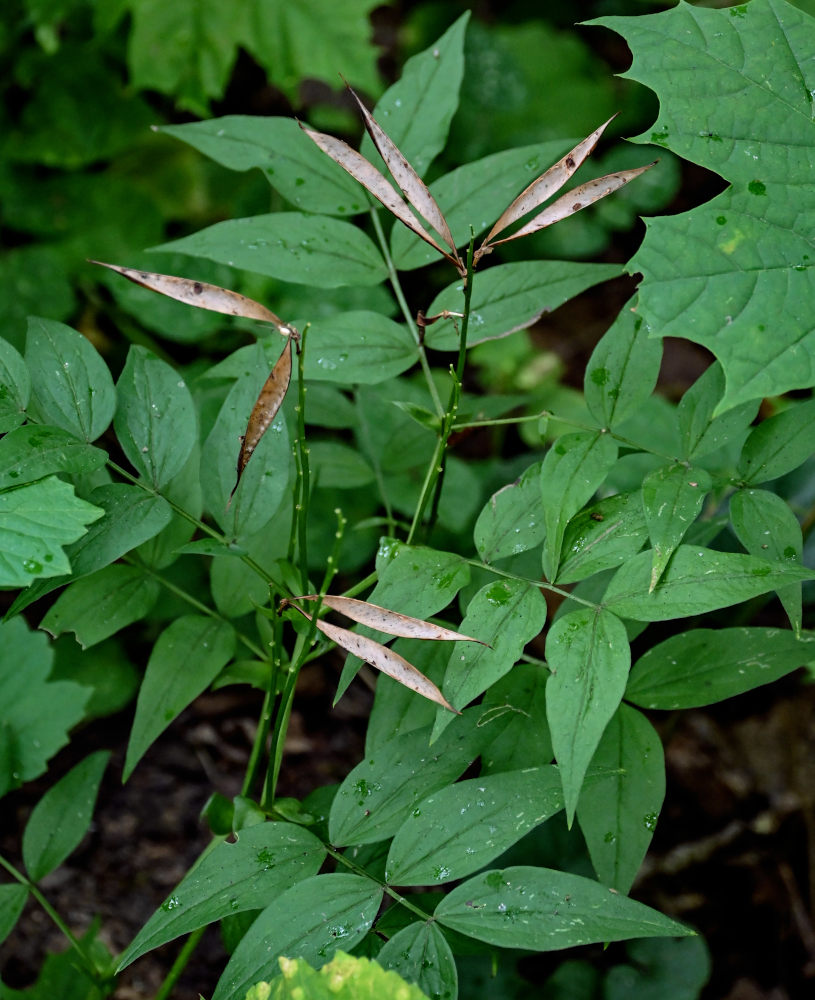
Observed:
{"x":15,"y":387}
{"x":421,"y":955}
{"x":305,"y":249}
{"x":511,"y":297}
{"x":704,"y":666}
{"x":766,"y":527}
{"x":619,"y":813}
{"x":265,"y":860}
{"x":603,"y":536}
{"x":97,"y":606}
{"x":696,"y":580}
{"x":589,"y":656}
{"x":659,"y":968}
{"x":671,"y":498}
{"x":362,"y":347}
{"x":12,"y":900}
{"x":338,"y":466}
{"x":545,"y":910}
{"x":29,"y":737}
{"x":574,"y":467}
{"x":310,"y":920}
{"x":293,"y":165}
{"x":511,"y":521}
{"x":779,"y":444}
{"x":519,"y":696}
{"x":187,"y":657}
{"x":33,"y":451}
{"x":701,"y":432}
{"x":71,"y":385}
{"x":623,"y":368}
{"x":155,"y":418}
{"x":61,"y":818}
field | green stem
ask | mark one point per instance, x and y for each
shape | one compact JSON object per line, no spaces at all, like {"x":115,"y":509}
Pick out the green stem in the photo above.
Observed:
{"x":179,"y":964}
{"x":352,"y":866}
{"x":540,"y":584}
{"x":393,"y":277}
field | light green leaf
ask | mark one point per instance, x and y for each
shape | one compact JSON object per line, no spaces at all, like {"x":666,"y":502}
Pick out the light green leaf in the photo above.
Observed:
{"x":12,"y":900}
{"x":574,"y":467}
{"x":61,"y":818}
{"x":738,"y":273}
{"x":700,"y":431}
{"x":184,"y":492}
{"x":382,"y":790}
{"x":97,"y":606}
{"x":696,"y":580}
{"x":660,"y":967}
{"x":603,"y":536}
{"x":29,"y":737}
{"x":265,"y":860}
{"x":671,"y":498}
{"x":420,"y":954}
{"x":15,"y":387}
{"x":507,"y":614}
{"x":186,"y":658}
{"x":265,"y":479}
{"x":766,"y":527}
{"x":362,"y":347}
{"x":619,"y":814}
{"x":704,"y":666}
{"x":779,"y":444}
{"x":310,"y":920}
{"x":304,"y":249}
{"x":346,"y":977}
{"x":28,"y":453}
{"x":519,"y":696}
{"x":71,"y":385}
{"x":589,"y":656}
{"x":546,"y":910}
{"x":36,"y":521}
{"x":463,"y":827}
{"x":292,"y":163}
{"x":155,"y":417}
{"x":511,"y":297}
{"x":474,"y":195}
{"x":623,"y":368}
{"x":416,"y":111}
{"x":511,"y":520}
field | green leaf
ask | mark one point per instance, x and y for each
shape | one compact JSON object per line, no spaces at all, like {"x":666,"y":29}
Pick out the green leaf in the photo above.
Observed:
{"x":155,"y":417}
{"x":546,"y":910}
{"x":362,"y":347}
{"x":574,"y":467}
{"x":28,"y":453}
{"x":659,"y":968}
{"x":623,"y":368}
{"x":416,"y":111}
{"x":292,"y":163}
{"x":61,"y":818}
{"x":589,"y":656}
{"x":463,"y":827}
{"x":338,"y":466}
{"x":715,"y":664}
{"x":421,"y":955}
{"x":671,"y":498}
{"x":779,"y":444}
{"x":766,"y":527}
{"x":304,"y":249}
{"x":184,"y":493}
{"x":36,"y":521}
{"x":12,"y":900}
{"x":265,"y":479}
{"x":310,"y":920}
{"x":382,"y":790}
{"x":265,"y":860}
{"x":619,"y":815}
{"x":15,"y":387}
{"x":511,"y":520}
{"x":603,"y":536}
{"x":696,"y":580}
{"x":519,"y":696}
{"x":103,"y":669}
{"x":29,"y":737}
{"x":99,"y":605}
{"x":474,"y":195}
{"x":701,"y":432}
{"x":71,"y":385}
{"x":738,"y":273}
{"x":186,"y":658}
{"x":346,"y":977}
{"x":507,"y":614}
{"x":511,"y":297}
